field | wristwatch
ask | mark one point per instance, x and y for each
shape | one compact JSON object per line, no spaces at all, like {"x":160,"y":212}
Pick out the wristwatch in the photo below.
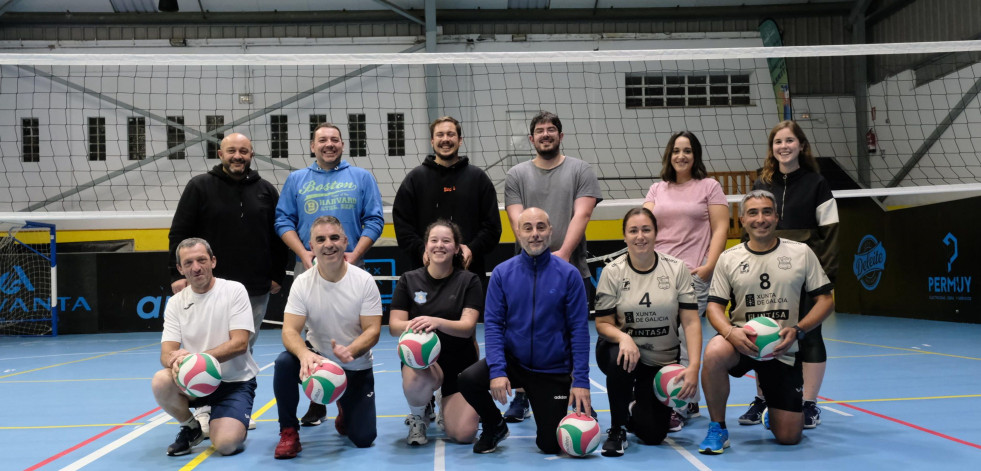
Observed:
{"x":800,"y":332}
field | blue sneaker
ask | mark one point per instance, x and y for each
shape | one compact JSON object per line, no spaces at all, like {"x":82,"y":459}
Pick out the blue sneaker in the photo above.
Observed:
{"x":766,"y":418}
{"x":519,"y":409}
{"x":716,"y":441}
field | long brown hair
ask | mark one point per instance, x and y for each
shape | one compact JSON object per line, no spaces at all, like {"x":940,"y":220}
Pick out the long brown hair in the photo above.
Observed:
{"x":805,"y":158}
{"x":698,"y":172}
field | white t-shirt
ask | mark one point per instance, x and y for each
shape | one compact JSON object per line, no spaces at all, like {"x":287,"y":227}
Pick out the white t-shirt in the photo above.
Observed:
{"x":334,"y":310}
{"x":201,"y":322}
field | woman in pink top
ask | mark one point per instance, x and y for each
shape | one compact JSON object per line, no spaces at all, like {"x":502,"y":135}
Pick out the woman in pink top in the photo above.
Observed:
{"x":693,"y":219}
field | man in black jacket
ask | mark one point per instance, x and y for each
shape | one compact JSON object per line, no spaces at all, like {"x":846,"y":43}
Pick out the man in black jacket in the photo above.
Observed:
{"x":447,"y":187}
{"x":233,"y":208}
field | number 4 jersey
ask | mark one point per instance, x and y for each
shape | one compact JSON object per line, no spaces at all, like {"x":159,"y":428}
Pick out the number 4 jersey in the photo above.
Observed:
{"x":768,"y":284}
{"x":646,"y":304}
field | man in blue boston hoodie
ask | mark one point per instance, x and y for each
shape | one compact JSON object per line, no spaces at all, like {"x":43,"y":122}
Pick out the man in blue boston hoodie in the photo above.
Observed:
{"x":329,"y":187}
{"x":536,"y":336}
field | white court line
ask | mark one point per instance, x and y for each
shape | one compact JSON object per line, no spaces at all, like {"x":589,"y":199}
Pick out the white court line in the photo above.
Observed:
{"x":687,"y":455}
{"x":594,"y":383}
{"x":439,"y":461}
{"x":836,"y":411}
{"x":157,"y":421}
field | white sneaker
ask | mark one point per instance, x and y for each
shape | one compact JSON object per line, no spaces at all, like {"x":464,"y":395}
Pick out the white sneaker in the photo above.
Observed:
{"x":251,"y":423}
{"x":417,"y":431}
{"x":203,"y":416}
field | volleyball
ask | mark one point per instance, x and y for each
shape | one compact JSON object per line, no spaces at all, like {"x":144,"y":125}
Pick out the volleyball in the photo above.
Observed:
{"x":326,"y":384}
{"x":667,"y":385}
{"x":767,"y":336}
{"x":578,"y":435}
{"x":199,"y":374}
{"x":418,"y":350}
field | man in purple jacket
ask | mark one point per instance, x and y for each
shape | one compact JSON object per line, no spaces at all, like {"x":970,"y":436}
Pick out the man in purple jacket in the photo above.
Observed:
{"x":536,"y":336}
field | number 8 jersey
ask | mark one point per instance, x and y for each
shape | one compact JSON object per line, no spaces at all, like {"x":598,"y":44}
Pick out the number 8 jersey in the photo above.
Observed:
{"x":768,"y":284}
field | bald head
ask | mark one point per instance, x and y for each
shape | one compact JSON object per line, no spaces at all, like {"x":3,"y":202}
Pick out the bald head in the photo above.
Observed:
{"x":236,"y":155}
{"x":534,"y":231}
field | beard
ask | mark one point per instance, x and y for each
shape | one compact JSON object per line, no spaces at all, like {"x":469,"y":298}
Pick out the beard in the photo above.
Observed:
{"x":447,"y":157}
{"x":548,"y":154}
{"x":228,"y":169}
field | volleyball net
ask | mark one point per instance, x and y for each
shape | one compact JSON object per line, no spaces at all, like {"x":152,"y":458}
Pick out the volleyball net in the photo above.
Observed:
{"x":28,"y":278}
{"x":113,"y":132}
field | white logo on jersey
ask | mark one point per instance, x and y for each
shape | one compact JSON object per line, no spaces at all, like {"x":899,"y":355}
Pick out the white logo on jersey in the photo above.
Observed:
{"x":783,"y":263}
{"x":420,"y":297}
{"x":662,"y":282}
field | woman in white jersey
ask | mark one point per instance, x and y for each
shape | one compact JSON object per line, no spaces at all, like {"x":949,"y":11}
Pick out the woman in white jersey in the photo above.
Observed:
{"x":641,"y":299}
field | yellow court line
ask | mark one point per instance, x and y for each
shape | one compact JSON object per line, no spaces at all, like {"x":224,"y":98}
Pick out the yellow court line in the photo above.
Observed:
{"x":211,"y":449}
{"x":271,"y":403}
{"x":18,"y":381}
{"x":198,"y":459}
{"x":78,"y":361}
{"x":905,"y":349}
{"x":38,"y":427}
{"x":926,"y":398}
{"x":878,"y":355}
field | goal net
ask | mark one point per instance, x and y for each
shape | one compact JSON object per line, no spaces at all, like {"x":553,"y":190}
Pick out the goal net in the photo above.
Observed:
{"x":125,"y":132}
{"x":28,"y":279}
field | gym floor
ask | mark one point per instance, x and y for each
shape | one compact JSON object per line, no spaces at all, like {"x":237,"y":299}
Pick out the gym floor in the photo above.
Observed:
{"x":899,"y":394}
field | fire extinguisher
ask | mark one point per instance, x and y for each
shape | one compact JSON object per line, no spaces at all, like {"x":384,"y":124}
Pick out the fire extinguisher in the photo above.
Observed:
{"x":871,"y":141}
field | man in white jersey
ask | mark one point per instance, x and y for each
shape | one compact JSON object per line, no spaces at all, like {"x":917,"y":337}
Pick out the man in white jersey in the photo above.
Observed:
{"x":210,"y":315}
{"x":341,"y":308}
{"x":764,"y":277}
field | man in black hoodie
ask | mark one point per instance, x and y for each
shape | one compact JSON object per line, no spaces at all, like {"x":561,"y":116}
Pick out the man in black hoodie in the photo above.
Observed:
{"x":447,"y":187}
{"x":233,"y":208}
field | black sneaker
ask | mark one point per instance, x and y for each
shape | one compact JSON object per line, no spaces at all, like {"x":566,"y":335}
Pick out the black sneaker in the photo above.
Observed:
{"x":616,"y":442}
{"x":755,"y":413}
{"x":186,"y":438}
{"x":812,"y":414}
{"x":490,"y":438}
{"x":315,"y":415}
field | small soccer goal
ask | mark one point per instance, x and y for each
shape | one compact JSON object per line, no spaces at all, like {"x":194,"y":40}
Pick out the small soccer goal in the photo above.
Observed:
{"x":28,"y":278}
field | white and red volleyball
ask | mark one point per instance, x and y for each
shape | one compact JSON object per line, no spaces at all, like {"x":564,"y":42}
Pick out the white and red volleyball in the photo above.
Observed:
{"x":418,"y":350}
{"x":765,"y":332}
{"x":326,"y":384}
{"x":578,"y":435}
{"x":199,"y":374}
{"x":668,"y":383}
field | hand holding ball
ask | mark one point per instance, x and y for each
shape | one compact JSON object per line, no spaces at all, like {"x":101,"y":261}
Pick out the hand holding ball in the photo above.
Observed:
{"x":198,"y":375}
{"x":326,"y":383}
{"x":765,"y":333}
{"x":418,"y":350}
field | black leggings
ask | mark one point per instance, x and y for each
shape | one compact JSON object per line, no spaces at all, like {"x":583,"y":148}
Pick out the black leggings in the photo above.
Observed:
{"x":650,"y":418}
{"x":811,"y":348}
{"x":547,"y":393}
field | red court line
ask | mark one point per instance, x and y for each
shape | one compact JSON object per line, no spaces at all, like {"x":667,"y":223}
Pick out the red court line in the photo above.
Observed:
{"x":90,"y":440}
{"x":902,"y":422}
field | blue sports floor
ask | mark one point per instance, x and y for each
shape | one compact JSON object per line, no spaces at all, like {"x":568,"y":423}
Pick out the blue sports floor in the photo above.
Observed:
{"x":899,"y":394}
